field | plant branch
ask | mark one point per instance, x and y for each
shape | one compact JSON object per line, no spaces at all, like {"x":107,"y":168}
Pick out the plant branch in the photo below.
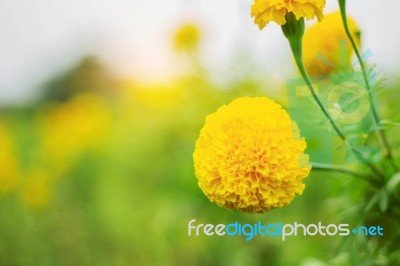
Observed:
{"x":293,"y":31}
{"x":296,"y":46}
{"x":380,"y":132}
{"x":339,"y":169}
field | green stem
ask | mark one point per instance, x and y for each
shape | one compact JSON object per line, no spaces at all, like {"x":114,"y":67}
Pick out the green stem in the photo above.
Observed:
{"x":339,"y":169}
{"x":380,"y":132}
{"x":296,"y":46}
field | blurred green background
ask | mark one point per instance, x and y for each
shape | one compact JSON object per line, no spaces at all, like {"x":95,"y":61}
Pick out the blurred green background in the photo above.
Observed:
{"x":90,"y":178}
{"x":97,"y":170}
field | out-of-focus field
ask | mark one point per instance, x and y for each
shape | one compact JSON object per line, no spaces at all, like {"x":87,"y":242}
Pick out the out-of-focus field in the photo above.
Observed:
{"x":99,"y":171}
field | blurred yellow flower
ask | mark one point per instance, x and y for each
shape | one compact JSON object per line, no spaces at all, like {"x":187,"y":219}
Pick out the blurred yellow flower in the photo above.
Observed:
{"x":36,"y":189}
{"x":265,"y":11}
{"x":8,"y":161}
{"x":249,"y":156}
{"x":187,"y":37}
{"x":68,"y":129}
{"x":158,"y":97}
{"x":326,"y":48}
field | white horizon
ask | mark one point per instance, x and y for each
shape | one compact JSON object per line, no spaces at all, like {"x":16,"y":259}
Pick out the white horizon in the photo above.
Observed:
{"x":42,"y":38}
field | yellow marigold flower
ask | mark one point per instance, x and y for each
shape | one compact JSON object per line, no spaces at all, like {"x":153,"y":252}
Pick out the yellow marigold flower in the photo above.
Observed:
{"x":73,"y":127}
{"x":265,"y":11}
{"x":9,"y":166}
{"x":77,"y":124}
{"x":326,"y":48}
{"x":249,"y":156}
{"x":187,"y":37}
{"x":158,"y":97}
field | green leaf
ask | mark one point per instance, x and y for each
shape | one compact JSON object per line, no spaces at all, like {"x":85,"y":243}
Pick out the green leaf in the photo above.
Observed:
{"x":393,"y":183}
{"x":373,"y":201}
{"x":383,"y":200}
{"x":354,"y":254}
{"x":343,"y":245}
{"x":387,"y":123}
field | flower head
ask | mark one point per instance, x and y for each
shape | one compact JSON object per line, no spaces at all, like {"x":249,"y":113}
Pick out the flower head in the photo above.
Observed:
{"x":326,"y":46}
{"x":187,"y":37}
{"x":70,"y":128}
{"x":9,"y":164}
{"x":249,"y":156}
{"x":265,"y":11}
{"x":77,"y":124}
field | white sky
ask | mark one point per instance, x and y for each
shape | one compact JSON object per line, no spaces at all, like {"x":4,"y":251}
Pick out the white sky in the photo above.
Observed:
{"x":39,"y":38}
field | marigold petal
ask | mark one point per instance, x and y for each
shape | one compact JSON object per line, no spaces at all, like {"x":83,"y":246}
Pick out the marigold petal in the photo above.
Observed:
{"x":265,"y":11}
